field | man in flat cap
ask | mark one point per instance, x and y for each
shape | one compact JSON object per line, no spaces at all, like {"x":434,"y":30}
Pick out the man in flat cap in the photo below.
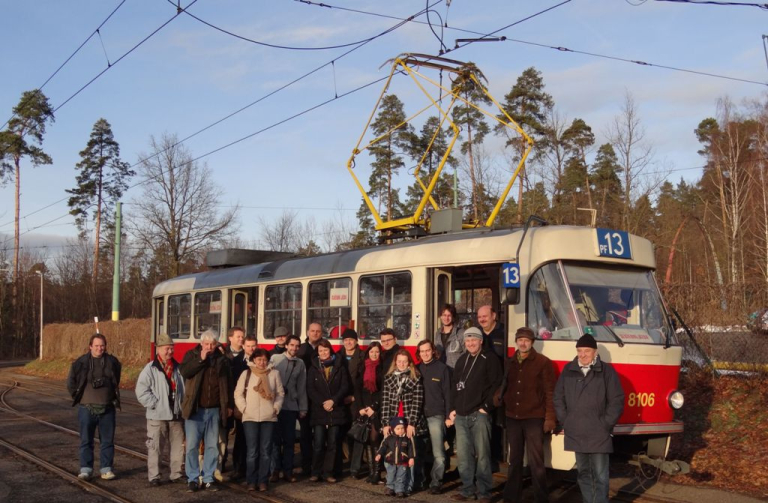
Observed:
{"x":160,"y":388}
{"x":476,"y":377}
{"x":589,"y":401}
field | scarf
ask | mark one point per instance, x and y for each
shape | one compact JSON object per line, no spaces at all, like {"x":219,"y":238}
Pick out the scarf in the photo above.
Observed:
{"x":326,"y":366}
{"x":263,"y":388}
{"x":168,"y":369}
{"x":402,"y":376}
{"x":369,"y":376}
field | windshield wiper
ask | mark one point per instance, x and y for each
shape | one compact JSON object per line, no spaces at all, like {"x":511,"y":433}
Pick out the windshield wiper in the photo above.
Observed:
{"x":613,"y":333}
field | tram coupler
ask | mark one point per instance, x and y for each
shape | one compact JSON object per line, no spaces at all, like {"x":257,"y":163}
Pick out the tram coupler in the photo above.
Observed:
{"x":675,"y":467}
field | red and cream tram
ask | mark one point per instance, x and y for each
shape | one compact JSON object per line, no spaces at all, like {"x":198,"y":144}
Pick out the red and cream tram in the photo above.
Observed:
{"x":559,"y":280}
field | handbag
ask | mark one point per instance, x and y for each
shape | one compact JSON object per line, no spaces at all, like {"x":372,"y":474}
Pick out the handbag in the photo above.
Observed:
{"x":360,"y":429}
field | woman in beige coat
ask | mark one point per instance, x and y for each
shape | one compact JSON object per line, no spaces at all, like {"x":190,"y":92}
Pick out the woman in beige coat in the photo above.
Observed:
{"x":259,"y":397}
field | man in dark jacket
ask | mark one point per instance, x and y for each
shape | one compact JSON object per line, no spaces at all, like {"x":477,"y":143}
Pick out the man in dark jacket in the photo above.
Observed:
{"x":353,"y":358}
{"x":93,"y":383}
{"x":389,"y":348}
{"x":237,"y":358}
{"x":207,"y":404}
{"x":437,"y":407}
{"x":527,"y":392}
{"x":476,"y":377}
{"x":589,"y":401}
{"x":307,"y":353}
{"x":281,"y":336}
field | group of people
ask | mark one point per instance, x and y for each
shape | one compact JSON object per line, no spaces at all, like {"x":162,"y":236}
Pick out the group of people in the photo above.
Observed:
{"x":380,"y":404}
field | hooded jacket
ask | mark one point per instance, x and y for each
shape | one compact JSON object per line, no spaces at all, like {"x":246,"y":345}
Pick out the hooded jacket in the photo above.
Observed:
{"x":251,"y":404}
{"x":453,"y":347}
{"x":192,"y":369}
{"x":78,"y":377}
{"x":153,"y":391}
{"x":588,"y":407}
{"x":336,"y":388}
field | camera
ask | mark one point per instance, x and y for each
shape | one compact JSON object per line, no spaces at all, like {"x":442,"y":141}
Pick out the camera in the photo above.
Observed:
{"x":98,"y":383}
{"x":459,"y":385}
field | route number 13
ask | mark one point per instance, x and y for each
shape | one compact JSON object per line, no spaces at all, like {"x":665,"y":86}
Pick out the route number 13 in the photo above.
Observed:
{"x":612,"y":243}
{"x":511,"y":275}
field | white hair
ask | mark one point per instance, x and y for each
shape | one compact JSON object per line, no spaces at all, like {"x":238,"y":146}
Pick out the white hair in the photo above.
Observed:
{"x":209,"y":335}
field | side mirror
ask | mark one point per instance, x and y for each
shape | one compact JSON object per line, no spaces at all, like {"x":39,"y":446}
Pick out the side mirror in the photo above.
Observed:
{"x":511,"y":296}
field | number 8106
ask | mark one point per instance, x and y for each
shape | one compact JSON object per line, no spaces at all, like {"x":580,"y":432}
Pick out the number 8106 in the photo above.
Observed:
{"x":641,"y":399}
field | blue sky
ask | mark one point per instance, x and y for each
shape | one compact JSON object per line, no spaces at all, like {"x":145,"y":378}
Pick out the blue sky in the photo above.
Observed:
{"x":188,"y":76}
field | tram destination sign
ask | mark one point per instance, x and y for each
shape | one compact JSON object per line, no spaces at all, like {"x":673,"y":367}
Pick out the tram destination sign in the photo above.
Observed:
{"x":612,"y":243}
{"x":339,"y":297}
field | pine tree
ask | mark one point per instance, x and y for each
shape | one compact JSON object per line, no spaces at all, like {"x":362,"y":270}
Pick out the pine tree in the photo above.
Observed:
{"x":102,"y":180}
{"x":527,"y":104}
{"x":608,"y":190}
{"x":29,"y":120}
{"x":472,"y":121}
{"x":432,"y":155}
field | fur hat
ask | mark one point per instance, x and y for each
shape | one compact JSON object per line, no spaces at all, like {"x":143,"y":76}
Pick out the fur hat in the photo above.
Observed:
{"x":473,"y":332}
{"x":586,"y":341}
{"x":281,"y":332}
{"x":398,"y":420}
{"x":163,"y":340}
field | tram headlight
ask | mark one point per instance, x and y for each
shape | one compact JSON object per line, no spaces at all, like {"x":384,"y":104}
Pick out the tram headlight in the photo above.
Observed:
{"x":676,"y":400}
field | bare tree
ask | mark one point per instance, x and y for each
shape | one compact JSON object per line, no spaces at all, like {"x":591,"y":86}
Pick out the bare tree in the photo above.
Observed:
{"x":178,"y":211}
{"x":281,"y":235}
{"x":627,"y":135}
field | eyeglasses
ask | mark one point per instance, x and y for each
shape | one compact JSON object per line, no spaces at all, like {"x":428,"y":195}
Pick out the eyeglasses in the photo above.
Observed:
{"x":387,"y":340}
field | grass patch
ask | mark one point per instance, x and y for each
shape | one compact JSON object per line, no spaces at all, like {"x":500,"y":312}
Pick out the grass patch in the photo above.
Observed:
{"x":59,"y":368}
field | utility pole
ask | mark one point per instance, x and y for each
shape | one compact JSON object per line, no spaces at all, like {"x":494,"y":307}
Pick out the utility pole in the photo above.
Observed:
{"x":40,"y":273}
{"x":116,"y":275}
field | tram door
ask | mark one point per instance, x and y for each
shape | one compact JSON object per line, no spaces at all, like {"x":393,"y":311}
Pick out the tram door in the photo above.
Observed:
{"x":442,"y":293}
{"x":242,"y":311}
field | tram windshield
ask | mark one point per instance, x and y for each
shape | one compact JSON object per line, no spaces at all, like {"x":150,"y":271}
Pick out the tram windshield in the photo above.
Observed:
{"x":567,"y":300}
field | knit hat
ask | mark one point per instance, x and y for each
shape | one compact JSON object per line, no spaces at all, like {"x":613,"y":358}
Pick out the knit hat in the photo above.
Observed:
{"x":586,"y":341}
{"x":526,"y":333}
{"x":473,"y":332}
{"x":349,"y":334}
{"x":163,"y":340}
{"x":397,"y":420}
{"x":281,"y":332}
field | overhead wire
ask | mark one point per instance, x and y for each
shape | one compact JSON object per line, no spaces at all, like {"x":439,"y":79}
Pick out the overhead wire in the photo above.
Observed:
{"x":94,"y":32}
{"x":239,"y":140}
{"x":401,"y":22}
{"x":713,"y":2}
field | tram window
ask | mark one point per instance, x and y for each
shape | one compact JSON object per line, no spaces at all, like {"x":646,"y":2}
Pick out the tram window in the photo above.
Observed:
{"x":385,"y":302}
{"x":282,"y":308}
{"x":549,"y":308}
{"x":332,"y":319}
{"x":207,"y":312}
{"x":159,"y":317}
{"x":179,"y":310}
{"x":243,"y":309}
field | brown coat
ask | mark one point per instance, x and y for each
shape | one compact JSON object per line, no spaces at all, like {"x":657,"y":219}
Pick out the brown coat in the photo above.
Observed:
{"x":529,"y":387}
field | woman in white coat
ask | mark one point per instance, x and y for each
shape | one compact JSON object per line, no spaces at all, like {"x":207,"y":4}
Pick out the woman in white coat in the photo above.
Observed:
{"x":259,"y":398}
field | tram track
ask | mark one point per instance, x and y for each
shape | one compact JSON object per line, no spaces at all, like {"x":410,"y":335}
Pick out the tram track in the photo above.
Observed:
{"x":6,"y":407}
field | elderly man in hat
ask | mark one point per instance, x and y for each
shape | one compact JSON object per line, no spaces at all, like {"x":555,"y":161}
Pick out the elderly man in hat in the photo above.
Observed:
{"x":589,"y":401}
{"x":476,"y":378}
{"x":160,"y":388}
{"x":526,"y":393}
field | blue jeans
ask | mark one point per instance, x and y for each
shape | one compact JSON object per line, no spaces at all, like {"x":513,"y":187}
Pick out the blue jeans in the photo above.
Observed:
{"x":593,"y":476}
{"x":202,"y":425}
{"x":473,"y":450}
{"x":88,"y":424}
{"x":436,"y":425}
{"x":258,"y":454}
{"x":398,"y":477}
{"x":283,"y":442}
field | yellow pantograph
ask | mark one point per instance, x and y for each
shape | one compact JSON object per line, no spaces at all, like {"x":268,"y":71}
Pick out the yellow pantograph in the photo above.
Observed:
{"x":409,"y":64}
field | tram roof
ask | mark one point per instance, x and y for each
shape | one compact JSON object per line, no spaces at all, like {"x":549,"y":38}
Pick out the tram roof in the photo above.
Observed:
{"x":487,"y":245}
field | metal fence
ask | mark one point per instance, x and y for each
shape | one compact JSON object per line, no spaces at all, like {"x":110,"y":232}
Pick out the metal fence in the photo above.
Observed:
{"x":725,"y":351}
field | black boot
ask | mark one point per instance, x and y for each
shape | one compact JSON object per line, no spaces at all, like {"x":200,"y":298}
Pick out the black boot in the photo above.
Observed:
{"x":373,"y":466}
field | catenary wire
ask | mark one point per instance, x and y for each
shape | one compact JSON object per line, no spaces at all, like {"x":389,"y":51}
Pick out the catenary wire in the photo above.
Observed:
{"x":713,"y":2}
{"x":74,"y":53}
{"x":242,"y":109}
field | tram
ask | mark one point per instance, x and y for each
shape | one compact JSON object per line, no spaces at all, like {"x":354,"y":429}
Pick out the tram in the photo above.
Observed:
{"x":561,"y":281}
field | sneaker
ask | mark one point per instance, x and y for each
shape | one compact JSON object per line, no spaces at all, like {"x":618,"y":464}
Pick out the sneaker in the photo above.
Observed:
{"x":154,"y":483}
{"x":84,"y":476}
{"x":192,"y":487}
{"x":211,"y":486}
{"x":110,"y":475}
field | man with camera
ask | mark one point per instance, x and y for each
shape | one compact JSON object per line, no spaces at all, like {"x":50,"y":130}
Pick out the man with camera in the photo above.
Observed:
{"x":93,"y":382}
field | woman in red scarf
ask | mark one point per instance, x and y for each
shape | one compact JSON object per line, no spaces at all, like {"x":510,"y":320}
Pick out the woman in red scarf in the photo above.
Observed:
{"x":368,"y":398}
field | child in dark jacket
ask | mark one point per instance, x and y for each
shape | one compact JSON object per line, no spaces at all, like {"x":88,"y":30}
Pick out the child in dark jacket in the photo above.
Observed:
{"x":399,"y":454}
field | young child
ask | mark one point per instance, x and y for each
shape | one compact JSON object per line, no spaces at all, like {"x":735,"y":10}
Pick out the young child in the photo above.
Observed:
{"x":399,"y":453}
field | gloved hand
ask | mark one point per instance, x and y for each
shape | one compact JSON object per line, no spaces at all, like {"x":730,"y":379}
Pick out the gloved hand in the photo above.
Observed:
{"x":549,"y":425}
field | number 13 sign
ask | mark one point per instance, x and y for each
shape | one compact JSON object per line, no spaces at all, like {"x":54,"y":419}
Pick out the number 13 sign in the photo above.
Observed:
{"x":612,"y":243}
